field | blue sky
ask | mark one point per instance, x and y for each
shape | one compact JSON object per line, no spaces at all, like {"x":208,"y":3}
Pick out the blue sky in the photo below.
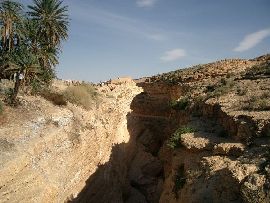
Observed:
{"x":114,"y":38}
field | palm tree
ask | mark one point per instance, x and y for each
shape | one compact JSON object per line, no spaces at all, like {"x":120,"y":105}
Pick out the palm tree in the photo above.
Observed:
{"x":10,"y":21}
{"x":31,"y":45}
{"x":10,"y":18}
{"x":47,"y":56}
{"x":52,"y":18}
{"x":23,"y":61}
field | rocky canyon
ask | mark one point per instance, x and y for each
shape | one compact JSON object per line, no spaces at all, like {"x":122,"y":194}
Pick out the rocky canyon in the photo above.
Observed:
{"x":196,"y":135}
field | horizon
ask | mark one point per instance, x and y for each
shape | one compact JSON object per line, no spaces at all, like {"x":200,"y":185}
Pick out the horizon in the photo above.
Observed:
{"x":141,"y":38}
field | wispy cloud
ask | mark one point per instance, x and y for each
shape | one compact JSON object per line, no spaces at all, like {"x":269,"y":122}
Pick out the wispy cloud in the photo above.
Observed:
{"x":251,"y":40}
{"x":157,"y":37}
{"x":88,"y":14}
{"x":173,"y":55}
{"x":145,"y":3}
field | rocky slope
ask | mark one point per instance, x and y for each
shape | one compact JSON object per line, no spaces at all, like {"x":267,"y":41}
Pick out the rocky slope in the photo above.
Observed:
{"x":225,"y":158}
{"x":195,"y":135}
{"x":48,"y":152}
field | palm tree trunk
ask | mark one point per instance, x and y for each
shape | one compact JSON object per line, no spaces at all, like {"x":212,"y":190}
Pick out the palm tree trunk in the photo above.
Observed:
{"x":9,"y":36}
{"x":16,"y":88}
{"x":5,"y":36}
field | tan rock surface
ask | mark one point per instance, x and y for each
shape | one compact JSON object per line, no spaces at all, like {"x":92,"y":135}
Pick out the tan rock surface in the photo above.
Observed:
{"x":118,"y":150}
{"x":49,"y":152}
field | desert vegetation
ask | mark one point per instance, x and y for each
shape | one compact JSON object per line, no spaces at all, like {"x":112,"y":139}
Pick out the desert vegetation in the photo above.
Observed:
{"x":84,"y":95}
{"x":31,"y":42}
{"x":175,"y":140}
{"x":223,"y":87}
{"x":257,"y":103}
{"x":81,"y":95}
{"x":258,"y":71}
{"x":179,"y":180}
{"x":180,"y":104}
{"x":1,"y":108}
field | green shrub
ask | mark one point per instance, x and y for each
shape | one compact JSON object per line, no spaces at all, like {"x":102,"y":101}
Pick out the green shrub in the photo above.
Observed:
{"x":175,"y":140}
{"x":222,"y":90}
{"x":181,"y":104}
{"x":82,"y":95}
{"x":179,"y":180}
{"x":36,"y":87}
{"x":224,"y":87}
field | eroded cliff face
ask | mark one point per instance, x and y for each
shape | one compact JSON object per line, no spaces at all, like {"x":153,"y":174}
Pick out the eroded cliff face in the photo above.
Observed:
{"x":48,"y":152}
{"x":119,"y":150}
{"x":106,"y":154}
{"x":226,"y":156}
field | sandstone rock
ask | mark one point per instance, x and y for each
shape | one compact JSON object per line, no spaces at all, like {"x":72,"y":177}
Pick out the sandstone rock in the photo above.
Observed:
{"x":198,"y":141}
{"x":51,"y":154}
{"x":253,"y":189}
{"x":229,"y":149}
{"x":112,"y":154}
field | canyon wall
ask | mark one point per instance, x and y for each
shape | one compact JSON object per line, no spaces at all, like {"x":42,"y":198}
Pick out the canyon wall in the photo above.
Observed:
{"x":118,"y":150}
{"x":49,"y":152}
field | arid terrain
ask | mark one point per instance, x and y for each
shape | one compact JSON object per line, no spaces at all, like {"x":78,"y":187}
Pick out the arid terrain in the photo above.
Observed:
{"x":195,"y":135}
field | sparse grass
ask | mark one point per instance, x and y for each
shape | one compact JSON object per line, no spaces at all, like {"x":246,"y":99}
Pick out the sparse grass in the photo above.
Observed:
{"x":179,"y":180}
{"x":81,"y":95}
{"x":200,"y":99}
{"x":56,"y":98}
{"x":8,"y":93}
{"x":265,"y":95}
{"x":181,"y":104}
{"x":229,"y":75}
{"x":175,"y":140}
{"x":6,"y":145}
{"x":257,"y":104}
{"x":241,"y":91}
{"x":223,"y":81}
{"x":1,"y":108}
{"x":224,"y":87}
{"x":258,"y":71}
{"x":74,"y":138}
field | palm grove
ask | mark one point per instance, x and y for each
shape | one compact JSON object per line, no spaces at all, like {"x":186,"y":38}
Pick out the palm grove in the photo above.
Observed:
{"x":31,"y":41}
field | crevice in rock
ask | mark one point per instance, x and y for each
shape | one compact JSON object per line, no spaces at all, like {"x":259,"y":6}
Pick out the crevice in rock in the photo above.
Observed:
{"x":146,"y":170}
{"x":135,"y":172}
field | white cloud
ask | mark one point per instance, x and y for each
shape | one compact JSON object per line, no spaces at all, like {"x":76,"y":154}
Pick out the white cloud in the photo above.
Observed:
{"x":173,"y":55}
{"x":252,"y":40}
{"x":145,"y":3}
